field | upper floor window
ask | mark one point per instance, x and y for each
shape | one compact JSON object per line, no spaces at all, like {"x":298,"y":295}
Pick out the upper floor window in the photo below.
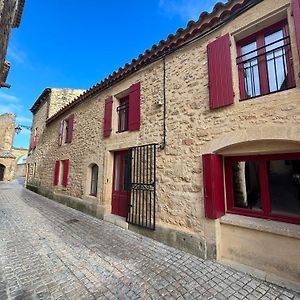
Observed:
{"x":65,"y":134}
{"x":265,"y":62}
{"x":123,"y":114}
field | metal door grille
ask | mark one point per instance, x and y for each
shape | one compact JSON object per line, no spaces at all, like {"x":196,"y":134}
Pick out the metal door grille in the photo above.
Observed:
{"x":142,"y":190}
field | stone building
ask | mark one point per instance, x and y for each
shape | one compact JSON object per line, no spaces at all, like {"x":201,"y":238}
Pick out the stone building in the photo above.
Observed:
{"x":9,"y":155}
{"x":10,"y":17}
{"x":195,"y":143}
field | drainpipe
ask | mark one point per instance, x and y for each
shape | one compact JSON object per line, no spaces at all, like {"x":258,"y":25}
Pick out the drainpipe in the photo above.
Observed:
{"x":163,"y":144}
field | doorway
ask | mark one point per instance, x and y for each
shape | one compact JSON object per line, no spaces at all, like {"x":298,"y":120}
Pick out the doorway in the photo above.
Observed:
{"x":121,"y":183}
{"x":2,"y":171}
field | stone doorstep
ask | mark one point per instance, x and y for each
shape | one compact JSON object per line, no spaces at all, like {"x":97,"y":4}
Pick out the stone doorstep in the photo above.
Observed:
{"x":116,"y":220}
{"x":266,"y":276}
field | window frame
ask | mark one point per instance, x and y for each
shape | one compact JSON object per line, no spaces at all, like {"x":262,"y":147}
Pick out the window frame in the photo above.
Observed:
{"x":266,"y":212}
{"x":94,"y":180}
{"x":259,"y":38}
{"x":124,"y":101}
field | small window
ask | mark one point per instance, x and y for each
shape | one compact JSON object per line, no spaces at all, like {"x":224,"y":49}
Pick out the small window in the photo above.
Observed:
{"x":123,"y":114}
{"x":264,"y":62}
{"x":94,"y":180}
{"x":265,"y":186}
{"x":65,"y":131}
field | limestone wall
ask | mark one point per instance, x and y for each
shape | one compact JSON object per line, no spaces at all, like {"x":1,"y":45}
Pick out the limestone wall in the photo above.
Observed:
{"x":192,"y":128}
{"x":60,"y":98}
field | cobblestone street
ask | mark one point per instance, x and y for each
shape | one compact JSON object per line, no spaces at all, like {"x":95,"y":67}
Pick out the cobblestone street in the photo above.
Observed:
{"x":50,"y":251}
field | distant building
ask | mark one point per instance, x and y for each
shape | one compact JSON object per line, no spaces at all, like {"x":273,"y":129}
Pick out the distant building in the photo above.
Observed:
{"x":10,"y":17}
{"x":8,"y":154}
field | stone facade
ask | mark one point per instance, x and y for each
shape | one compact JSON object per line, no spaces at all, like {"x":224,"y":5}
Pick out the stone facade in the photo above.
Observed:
{"x":267,"y":124}
{"x":10,"y":16}
{"x":8,"y":154}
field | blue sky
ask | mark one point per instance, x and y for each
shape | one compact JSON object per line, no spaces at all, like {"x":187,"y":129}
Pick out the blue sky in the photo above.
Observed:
{"x":76,"y":43}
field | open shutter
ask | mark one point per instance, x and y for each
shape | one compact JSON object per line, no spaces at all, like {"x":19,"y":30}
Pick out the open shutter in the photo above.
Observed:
{"x":70,"y":128}
{"x":220,"y":73}
{"x":60,"y":132}
{"x":213,"y":186}
{"x":135,"y":107}
{"x":296,"y":14}
{"x":56,"y":172}
{"x":107,"y":127}
{"x":66,"y":172}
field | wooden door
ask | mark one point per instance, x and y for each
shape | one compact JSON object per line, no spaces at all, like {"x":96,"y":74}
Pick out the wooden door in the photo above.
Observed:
{"x":121,"y":186}
{"x":2,"y":170}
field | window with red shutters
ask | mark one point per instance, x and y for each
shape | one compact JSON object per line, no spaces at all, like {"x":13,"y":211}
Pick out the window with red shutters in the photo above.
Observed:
{"x":135,"y":107}
{"x":107,"y":123}
{"x":264,"y":62}
{"x":56,"y":172}
{"x":213,"y":183}
{"x":123,"y":114}
{"x":65,"y":133}
{"x":220,"y":73}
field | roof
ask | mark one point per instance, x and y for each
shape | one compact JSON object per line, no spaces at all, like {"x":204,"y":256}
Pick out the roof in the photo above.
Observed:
{"x":18,"y":13}
{"x":222,"y":12}
{"x":40,"y":100}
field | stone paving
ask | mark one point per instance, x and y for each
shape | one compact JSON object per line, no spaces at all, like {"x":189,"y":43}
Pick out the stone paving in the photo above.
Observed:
{"x":50,"y":251}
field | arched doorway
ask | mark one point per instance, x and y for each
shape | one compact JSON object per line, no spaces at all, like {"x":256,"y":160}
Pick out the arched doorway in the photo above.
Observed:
{"x":2,"y":170}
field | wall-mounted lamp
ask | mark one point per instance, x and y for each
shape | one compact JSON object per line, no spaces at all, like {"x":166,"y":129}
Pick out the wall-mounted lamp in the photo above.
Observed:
{"x":18,"y":128}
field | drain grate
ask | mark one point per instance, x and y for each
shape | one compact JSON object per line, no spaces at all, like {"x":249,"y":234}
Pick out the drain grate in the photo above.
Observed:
{"x":71,"y":221}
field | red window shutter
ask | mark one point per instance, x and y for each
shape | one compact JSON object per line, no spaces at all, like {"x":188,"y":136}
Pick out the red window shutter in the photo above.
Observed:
{"x":220,"y":72}
{"x":135,"y":107}
{"x":60,"y":132}
{"x":56,"y":172}
{"x":70,"y":128}
{"x":296,"y":14}
{"x":213,"y":186}
{"x":107,"y":127}
{"x":66,"y":172}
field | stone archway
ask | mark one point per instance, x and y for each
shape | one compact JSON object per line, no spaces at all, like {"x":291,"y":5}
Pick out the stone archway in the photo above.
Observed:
{"x":2,"y":171}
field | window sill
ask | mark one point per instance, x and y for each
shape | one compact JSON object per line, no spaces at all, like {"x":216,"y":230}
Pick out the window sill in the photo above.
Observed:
{"x":265,"y":95}
{"x":280,"y":228}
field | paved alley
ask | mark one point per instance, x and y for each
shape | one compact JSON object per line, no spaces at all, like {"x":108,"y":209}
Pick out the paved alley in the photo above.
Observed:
{"x":50,"y":251}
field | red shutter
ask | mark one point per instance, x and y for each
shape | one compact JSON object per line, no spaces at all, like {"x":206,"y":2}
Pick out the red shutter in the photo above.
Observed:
{"x":66,"y":173}
{"x":60,"y":132}
{"x":70,"y":128}
{"x":220,"y":73}
{"x":107,"y":127}
{"x":296,"y":14}
{"x":135,"y":107}
{"x":56,"y":172}
{"x":213,"y":186}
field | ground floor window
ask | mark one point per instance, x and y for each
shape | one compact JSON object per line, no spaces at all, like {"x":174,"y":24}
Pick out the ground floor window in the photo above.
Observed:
{"x":265,"y":186}
{"x":94,"y":180}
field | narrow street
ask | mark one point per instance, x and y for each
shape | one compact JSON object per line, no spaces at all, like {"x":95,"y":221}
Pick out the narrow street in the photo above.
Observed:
{"x":50,"y":251}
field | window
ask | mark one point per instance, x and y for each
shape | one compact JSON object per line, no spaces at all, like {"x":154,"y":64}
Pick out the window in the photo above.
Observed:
{"x":128,"y":111}
{"x":266,"y":186}
{"x":94,"y":180}
{"x":123,"y":114}
{"x":61,"y":172}
{"x":264,"y":62}
{"x":65,"y":134}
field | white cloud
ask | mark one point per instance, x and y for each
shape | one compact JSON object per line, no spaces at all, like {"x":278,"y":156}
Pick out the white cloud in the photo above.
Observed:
{"x":16,"y":55}
{"x":186,"y":9}
{"x":9,"y":98}
{"x":23,"y":119}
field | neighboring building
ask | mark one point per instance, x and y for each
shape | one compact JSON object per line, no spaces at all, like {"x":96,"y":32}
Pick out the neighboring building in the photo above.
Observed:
{"x":10,"y":17}
{"x":195,"y":143}
{"x":8,"y":154}
{"x":21,"y":167}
